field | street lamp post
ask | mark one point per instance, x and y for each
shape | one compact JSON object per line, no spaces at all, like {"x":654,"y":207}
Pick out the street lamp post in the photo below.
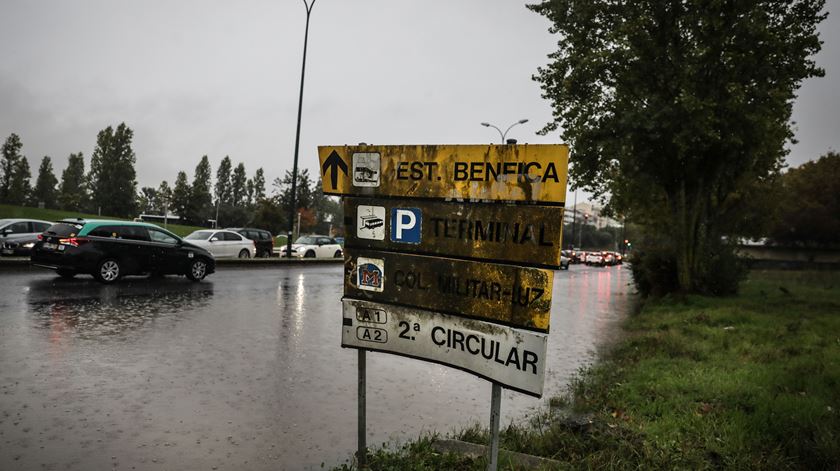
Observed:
{"x":504,"y":134}
{"x":293,"y":209}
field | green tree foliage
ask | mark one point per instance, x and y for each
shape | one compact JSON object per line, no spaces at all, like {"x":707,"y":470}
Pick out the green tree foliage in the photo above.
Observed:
{"x":164,"y":198}
{"x":223,"y":189}
{"x":11,"y":156}
{"x":809,"y":205}
{"x":238,"y":186}
{"x":181,"y":196}
{"x":146,"y":200}
{"x":45,"y":185}
{"x":268,"y":214}
{"x":283,"y":191}
{"x":72,"y":194}
{"x":677,"y":109}
{"x":112,"y":178}
{"x":259,"y":185}
{"x":201,"y":203}
{"x":19,"y":187}
{"x":328,"y":212}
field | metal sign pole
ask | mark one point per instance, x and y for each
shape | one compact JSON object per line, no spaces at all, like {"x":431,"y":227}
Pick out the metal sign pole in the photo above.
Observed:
{"x":361,"y":454}
{"x":495,"y":412}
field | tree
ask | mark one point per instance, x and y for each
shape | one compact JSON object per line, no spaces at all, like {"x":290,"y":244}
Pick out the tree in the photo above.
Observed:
{"x":223,"y":190}
{"x":19,"y":188}
{"x":164,"y":198}
{"x":283,"y":190}
{"x":259,"y":185}
{"x":201,"y":203}
{"x":181,"y":196}
{"x":11,"y":156}
{"x":146,"y":200}
{"x":238,"y":186}
{"x":112,"y":178}
{"x":72,"y":194}
{"x":809,"y":204}
{"x":676,"y":109}
{"x":45,"y":185}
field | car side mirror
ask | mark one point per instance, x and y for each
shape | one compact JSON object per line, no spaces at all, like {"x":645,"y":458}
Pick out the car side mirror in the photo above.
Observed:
{"x":6,"y":232}
{"x":214,"y":239}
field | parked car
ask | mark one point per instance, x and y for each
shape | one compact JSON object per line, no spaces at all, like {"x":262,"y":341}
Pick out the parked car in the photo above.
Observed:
{"x":18,"y":245}
{"x":223,"y":243}
{"x":594,"y":258}
{"x":564,"y":262}
{"x":109,"y":250}
{"x":263,"y":240}
{"x":21,"y":227}
{"x":312,"y":246}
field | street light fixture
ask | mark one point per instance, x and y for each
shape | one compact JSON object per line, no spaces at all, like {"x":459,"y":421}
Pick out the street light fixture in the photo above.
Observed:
{"x":293,"y":208}
{"x":503,"y":134}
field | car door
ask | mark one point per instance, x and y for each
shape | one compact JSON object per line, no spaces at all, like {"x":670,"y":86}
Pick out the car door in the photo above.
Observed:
{"x":234,"y":243}
{"x":166,"y":256}
{"x":324,"y":250}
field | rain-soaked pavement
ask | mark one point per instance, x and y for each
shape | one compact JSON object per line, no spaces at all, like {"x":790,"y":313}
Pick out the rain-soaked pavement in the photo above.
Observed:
{"x":241,"y":371}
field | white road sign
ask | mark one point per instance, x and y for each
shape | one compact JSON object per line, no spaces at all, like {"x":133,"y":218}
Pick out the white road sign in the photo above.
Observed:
{"x":512,"y":357}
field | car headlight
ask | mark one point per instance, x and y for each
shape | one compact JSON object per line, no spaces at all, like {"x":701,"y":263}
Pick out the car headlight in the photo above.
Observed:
{"x":29,"y":245}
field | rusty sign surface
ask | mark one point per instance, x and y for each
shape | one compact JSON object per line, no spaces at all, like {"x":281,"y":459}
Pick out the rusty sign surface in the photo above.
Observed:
{"x":528,"y":234}
{"x":512,"y":357}
{"x":523,"y":173}
{"x":508,"y":294}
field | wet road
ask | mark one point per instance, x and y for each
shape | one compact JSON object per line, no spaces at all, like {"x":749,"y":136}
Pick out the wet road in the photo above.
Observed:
{"x":241,"y":371}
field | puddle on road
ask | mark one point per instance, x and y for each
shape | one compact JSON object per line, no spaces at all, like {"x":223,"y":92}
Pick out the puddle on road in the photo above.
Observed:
{"x":243,"y":371}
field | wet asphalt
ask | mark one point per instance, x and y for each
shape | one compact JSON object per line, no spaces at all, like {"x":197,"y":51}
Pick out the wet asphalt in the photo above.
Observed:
{"x":241,"y":371}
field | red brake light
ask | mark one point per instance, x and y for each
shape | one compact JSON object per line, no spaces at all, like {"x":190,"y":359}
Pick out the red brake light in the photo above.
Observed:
{"x":74,"y":241}
{"x":40,"y":236}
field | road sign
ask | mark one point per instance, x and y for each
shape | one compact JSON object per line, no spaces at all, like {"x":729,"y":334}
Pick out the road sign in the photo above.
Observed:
{"x":512,"y":357}
{"x":507,"y":294}
{"x":525,"y":173}
{"x":527,"y":234}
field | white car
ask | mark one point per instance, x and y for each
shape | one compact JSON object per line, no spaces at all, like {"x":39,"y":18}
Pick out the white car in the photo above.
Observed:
{"x":223,"y":244}
{"x":314,"y":246}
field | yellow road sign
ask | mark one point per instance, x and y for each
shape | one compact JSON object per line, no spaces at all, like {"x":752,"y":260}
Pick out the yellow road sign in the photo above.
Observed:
{"x":528,"y":234}
{"x":526,"y":172}
{"x":507,"y":294}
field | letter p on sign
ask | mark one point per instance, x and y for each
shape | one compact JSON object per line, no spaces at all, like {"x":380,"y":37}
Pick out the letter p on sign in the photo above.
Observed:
{"x":406,"y":224}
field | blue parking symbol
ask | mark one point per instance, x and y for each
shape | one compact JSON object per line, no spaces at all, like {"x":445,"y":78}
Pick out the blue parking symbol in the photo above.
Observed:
{"x":406,"y":224}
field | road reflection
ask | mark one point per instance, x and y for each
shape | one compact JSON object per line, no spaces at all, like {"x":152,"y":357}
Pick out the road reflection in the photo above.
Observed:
{"x":87,"y":309}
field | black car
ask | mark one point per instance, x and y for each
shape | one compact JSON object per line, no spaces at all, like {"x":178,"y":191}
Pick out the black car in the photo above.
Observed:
{"x":263,"y":240}
{"x":18,"y":245}
{"x":109,"y":250}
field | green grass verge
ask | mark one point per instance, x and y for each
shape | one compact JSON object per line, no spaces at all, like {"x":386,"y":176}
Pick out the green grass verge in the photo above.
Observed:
{"x":7,"y":211}
{"x":750,"y":381}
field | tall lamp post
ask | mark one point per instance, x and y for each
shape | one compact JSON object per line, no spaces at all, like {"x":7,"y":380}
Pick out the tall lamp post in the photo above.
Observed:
{"x":503,"y":134}
{"x":293,"y":208}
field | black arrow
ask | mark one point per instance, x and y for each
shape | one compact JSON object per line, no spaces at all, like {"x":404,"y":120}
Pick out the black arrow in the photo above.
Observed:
{"x":335,"y":162}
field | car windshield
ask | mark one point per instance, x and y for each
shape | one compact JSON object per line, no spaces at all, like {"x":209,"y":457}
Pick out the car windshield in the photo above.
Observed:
{"x":305,"y":240}
{"x":200,"y":235}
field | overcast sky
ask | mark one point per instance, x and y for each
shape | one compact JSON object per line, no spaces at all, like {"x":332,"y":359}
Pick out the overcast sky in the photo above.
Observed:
{"x":222,"y":78}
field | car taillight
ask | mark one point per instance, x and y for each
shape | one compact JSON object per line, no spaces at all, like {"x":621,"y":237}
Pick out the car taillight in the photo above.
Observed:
{"x":40,"y":236}
{"x":74,"y":241}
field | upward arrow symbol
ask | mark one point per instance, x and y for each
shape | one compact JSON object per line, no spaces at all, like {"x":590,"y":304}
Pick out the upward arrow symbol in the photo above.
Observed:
{"x":334,"y":162}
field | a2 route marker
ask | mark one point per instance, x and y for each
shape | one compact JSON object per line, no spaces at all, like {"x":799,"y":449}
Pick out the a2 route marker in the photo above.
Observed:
{"x":449,"y":255}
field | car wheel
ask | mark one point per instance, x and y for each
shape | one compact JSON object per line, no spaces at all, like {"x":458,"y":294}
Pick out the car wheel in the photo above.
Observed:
{"x":244,"y":253}
{"x":198,"y":270}
{"x":338,"y":254}
{"x":108,"y":271}
{"x":66,"y":273}
{"x":309,"y":254}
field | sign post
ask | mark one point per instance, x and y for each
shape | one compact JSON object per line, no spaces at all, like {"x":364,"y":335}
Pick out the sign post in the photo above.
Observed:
{"x":450,"y":252}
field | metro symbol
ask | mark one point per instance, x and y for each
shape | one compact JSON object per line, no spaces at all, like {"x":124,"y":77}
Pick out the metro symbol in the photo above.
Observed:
{"x":406,"y":225}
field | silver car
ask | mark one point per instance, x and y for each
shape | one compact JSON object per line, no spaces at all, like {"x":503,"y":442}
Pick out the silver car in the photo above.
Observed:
{"x":15,"y":230}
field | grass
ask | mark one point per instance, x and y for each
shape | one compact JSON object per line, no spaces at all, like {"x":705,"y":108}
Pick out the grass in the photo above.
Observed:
{"x":750,"y":381}
{"x":8,"y":211}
